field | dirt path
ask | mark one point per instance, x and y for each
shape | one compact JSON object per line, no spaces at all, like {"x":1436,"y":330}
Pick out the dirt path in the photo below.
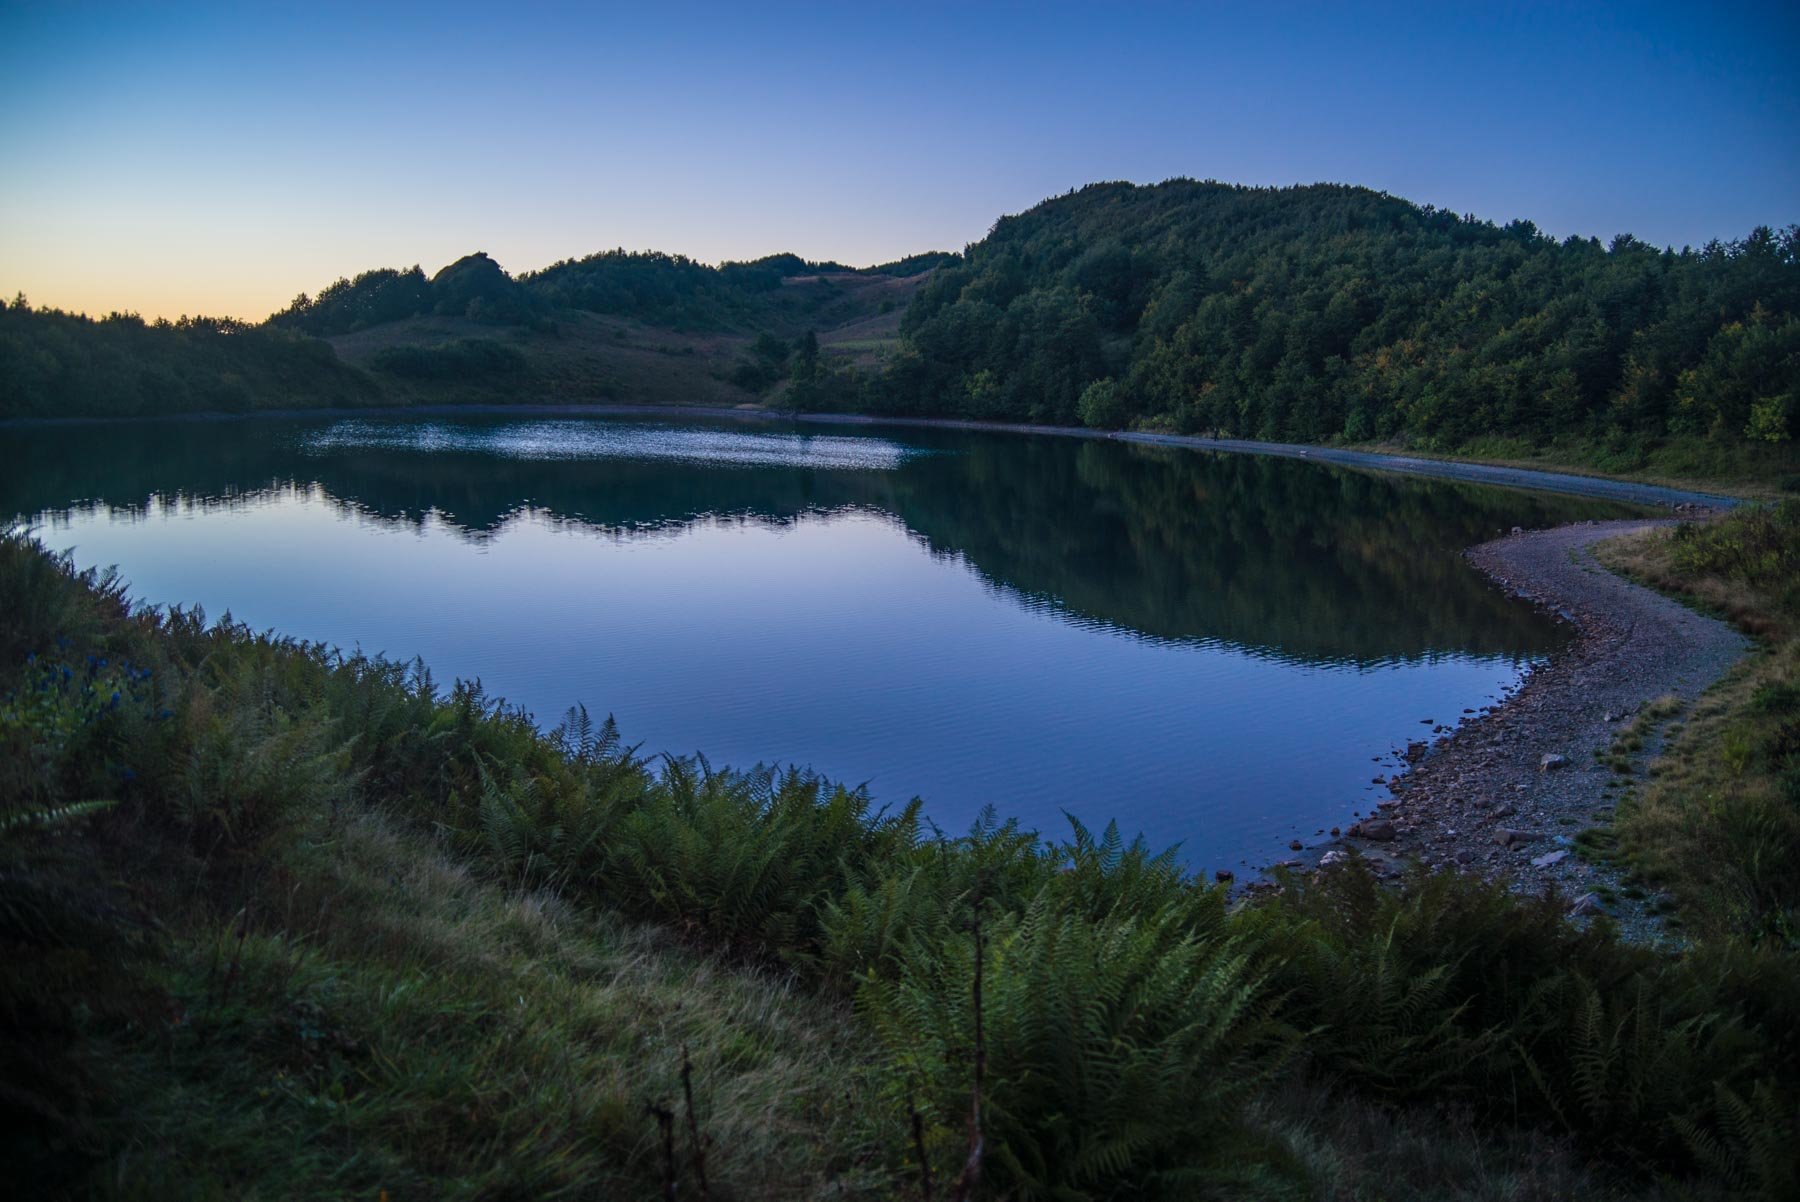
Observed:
{"x":1485,"y":797}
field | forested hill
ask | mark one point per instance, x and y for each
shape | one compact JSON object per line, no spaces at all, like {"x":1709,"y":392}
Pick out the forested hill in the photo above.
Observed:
{"x":1317,"y":312}
{"x":615,"y":326}
{"x":1310,"y":314}
{"x":672,"y":291}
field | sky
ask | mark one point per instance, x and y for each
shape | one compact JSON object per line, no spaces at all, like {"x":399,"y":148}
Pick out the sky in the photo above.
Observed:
{"x":177,"y":158}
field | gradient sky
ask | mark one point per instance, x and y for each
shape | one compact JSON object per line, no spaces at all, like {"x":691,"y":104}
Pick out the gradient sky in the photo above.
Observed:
{"x":185,"y":158}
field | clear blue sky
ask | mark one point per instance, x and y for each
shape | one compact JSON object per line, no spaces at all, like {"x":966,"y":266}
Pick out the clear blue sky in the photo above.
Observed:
{"x":189,"y":158}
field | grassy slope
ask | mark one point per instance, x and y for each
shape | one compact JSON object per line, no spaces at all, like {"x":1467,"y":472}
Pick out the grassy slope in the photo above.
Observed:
{"x":591,"y":357}
{"x":393,"y":1023}
{"x":1718,"y":823}
{"x":342,"y":933}
{"x":396,"y":1023}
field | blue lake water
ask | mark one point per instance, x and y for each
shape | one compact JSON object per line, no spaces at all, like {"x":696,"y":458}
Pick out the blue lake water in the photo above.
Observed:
{"x":1213,"y":650}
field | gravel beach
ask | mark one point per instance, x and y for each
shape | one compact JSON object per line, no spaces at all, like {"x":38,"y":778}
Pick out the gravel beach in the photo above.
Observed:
{"x":1504,"y":792}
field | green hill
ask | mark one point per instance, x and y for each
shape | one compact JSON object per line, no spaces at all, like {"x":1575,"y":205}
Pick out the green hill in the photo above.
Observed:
{"x":1323,"y":312}
{"x":1312,"y":314}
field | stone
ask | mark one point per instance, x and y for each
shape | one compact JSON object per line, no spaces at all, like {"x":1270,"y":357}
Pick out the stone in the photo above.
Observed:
{"x":1506,"y":836}
{"x":1550,"y":763}
{"x":1465,"y":856}
{"x":1296,"y":845}
{"x":1549,"y":858}
{"x":1335,"y":832}
{"x":1332,"y":857}
{"x":1224,"y":874}
{"x":1379,"y":829}
{"x":1587,"y":903}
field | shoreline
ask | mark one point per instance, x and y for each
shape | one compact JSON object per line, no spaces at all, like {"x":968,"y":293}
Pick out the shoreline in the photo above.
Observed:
{"x":1504,"y":792}
{"x":1461,"y":471}
{"x":1479,"y":774}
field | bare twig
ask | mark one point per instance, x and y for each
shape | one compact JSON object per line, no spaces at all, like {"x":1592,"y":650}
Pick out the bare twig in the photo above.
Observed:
{"x":237,"y":956}
{"x":918,"y":1136}
{"x":966,"y":1181}
{"x":231,"y":971}
{"x":665,"y":1120}
{"x":687,"y":1089}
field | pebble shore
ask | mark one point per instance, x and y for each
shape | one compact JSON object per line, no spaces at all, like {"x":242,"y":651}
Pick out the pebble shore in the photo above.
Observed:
{"x":1504,"y":792}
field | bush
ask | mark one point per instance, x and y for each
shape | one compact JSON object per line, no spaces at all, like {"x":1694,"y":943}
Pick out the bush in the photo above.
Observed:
{"x":1116,"y":1050}
{"x":470,"y":359}
{"x":1103,"y":406}
{"x":1755,"y":545}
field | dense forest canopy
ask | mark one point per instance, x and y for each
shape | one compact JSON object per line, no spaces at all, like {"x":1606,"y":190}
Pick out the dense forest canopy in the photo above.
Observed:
{"x":1326,"y":312}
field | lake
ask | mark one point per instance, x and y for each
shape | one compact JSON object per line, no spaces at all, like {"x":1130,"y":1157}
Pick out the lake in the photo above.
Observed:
{"x":1220,"y":651}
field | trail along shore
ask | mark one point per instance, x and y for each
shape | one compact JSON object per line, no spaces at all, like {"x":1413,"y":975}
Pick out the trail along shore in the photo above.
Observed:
{"x":1505,"y":790}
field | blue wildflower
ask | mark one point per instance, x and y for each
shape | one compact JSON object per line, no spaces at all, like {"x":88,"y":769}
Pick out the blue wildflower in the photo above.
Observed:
{"x":127,"y":774}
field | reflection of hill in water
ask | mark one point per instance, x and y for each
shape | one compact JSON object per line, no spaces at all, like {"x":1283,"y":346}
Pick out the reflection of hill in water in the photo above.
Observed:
{"x":1278,"y":557}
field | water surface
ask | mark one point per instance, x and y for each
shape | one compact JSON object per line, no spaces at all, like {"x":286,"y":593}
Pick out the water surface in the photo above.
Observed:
{"x":1212,"y":649}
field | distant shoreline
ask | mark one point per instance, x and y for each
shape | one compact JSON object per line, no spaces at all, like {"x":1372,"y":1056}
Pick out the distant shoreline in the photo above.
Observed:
{"x":1531,"y":479}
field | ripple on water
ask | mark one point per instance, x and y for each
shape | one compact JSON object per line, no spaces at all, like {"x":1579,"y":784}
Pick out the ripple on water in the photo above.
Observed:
{"x":576,"y":439}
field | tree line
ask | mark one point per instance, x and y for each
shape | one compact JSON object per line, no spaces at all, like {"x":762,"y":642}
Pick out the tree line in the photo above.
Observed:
{"x":1307,"y":314}
{"x":56,"y":364}
{"x":648,"y":286}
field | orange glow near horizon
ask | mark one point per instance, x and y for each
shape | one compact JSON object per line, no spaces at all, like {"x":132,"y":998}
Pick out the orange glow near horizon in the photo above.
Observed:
{"x":201,"y":159}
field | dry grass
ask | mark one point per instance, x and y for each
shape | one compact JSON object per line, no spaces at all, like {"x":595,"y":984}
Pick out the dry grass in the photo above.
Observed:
{"x":1347,"y":1150}
{"x":399,"y":1025}
{"x":1717,"y":823}
{"x":593,"y":357}
{"x":1645,"y":556}
{"x":589,"y":358}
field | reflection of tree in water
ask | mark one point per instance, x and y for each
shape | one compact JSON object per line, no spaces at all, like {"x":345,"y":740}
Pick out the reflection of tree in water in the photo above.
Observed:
{"x":1279,"y":557}
{"x":1304,"y":561}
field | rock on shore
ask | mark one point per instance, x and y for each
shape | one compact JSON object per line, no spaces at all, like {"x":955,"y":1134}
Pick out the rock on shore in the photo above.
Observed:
{"x":1506,"y":791}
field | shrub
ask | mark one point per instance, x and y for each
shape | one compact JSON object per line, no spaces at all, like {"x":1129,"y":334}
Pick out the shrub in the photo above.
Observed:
{"x":1116,"y":1050}
{"x":467,"y":359}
